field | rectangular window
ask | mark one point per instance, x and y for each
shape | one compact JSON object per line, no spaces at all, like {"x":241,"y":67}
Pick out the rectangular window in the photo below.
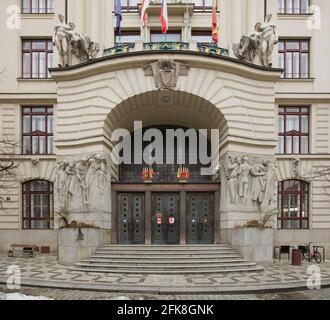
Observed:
{"x":203,"y":5}
{"x":165,"y":37}
{"x":129,"y":5}
{"x":293,"y":6}
{"x":293,"y":130}
{"x":128,"y":37}
{"x":37,"y":130}
{"x":293,"y":197}
{"x":293,"y":57}
{"x":202,"y":36}
{"x":37,"y":57}
{"x":38,"y":6}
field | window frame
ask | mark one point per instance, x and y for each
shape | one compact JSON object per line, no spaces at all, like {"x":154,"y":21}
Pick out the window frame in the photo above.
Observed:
{"x":29,"y":193}
{"x":31,"y":51}
{"x":285,"y":12}
{"x":291,"y":134}
{"x":31,"y":133}
{"x":128,"y":33}
{"x":48,"y":9}
{"x":300,"y":51}
{"x":204,"y":8}
{"x":300,"y":193}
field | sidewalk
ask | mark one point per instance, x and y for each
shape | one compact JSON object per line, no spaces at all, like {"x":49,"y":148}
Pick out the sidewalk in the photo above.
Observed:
{"x":44,"y":271}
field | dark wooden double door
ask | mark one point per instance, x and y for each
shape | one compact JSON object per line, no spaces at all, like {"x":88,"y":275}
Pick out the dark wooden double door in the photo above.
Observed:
{"x":165,"y":218}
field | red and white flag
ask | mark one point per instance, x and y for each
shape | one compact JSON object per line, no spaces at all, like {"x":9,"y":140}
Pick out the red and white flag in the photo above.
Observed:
{"x":163,"y":16}
{"x":144,"y":12}
{"x":215,"y":36}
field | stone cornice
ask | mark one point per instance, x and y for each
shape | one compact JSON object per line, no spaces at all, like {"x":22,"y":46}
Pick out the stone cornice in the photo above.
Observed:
{"x":140,"y":58}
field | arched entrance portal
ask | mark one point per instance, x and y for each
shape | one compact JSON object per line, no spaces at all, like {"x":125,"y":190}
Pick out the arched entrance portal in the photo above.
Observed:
{"x":166,"y":203}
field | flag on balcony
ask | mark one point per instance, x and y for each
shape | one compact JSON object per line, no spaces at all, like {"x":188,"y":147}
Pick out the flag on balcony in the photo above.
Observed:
{"x":118,"y":15}
{"x":144,"y":13}
{"x":163,"y":16}
{"x":215,"y":36}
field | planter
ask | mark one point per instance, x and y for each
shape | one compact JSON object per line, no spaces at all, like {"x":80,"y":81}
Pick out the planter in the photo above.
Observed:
{"x":254,"y":244}
{"x":75,"y":245}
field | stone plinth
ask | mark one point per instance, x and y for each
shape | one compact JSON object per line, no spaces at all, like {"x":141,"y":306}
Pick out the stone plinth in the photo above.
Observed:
{"x":74,"y":246}
{"x":254,"y":244}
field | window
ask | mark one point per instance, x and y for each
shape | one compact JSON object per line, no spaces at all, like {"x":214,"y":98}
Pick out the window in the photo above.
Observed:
{"x":165,"y":37}
{"x":130,"y":5}
{"x":293,"y":6}
{"x":37,"y":6}
{"x":202,"y":36}
{"x":37,"y":130}
{"x":37,"y":58}
{"x":293,"y":130}
{"x":294,"y":58}
{"x":128,"y":37}
{"x":38,"y":205}
{"x":293,"y":202}
{"x":203,"y":5}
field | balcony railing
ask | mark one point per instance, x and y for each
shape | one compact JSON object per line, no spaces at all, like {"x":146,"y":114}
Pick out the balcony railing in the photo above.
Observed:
{"x":153,"y":46}
{"x":206,"y":48}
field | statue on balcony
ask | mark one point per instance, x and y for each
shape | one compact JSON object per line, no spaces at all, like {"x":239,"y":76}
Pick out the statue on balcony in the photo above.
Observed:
{"x":259,"y":43}
{"x":62,"y":42}
{"x":68,"y":41}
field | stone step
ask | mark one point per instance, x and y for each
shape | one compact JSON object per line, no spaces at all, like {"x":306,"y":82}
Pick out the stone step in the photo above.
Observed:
{"x":165,"y":267}
{"x":166,"y":257}
{"x":164,"y":252}
{"x":166,"y":248}
{"x":179,"y":271}
{"x":156,"y":246}
{"x":162,"y":262}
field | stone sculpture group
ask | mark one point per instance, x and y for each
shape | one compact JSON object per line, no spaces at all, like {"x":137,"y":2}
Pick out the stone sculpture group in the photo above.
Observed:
{"x":81,"y":184}
{"x":68,"y":41}
{"x":258,"y":44}
{"x":251,"y":182}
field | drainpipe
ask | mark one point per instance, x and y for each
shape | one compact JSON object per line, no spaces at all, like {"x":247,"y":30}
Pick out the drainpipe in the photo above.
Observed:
{"x":66,"y":11}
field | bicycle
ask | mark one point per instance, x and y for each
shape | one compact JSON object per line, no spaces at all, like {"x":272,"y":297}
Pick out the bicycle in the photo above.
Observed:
{"x":313,"y":254}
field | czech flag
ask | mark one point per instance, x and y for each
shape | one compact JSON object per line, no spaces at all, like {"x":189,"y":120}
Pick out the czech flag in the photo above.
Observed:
{"x":163,"y":16}
{"x":215,"y":36}
{"x":144,"y":13}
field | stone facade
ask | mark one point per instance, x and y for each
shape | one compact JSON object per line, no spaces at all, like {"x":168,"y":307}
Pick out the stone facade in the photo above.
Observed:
{"x":100,"y":96}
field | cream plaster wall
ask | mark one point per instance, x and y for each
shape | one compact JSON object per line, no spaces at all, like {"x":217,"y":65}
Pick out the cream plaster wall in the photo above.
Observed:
{"x":249,"y":115}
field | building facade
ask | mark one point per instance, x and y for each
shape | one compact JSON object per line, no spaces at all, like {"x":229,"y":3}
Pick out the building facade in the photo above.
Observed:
{"x":58,"y":124}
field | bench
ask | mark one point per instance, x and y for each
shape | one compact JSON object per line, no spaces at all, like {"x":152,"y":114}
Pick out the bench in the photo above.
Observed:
{"x":28,"y":250}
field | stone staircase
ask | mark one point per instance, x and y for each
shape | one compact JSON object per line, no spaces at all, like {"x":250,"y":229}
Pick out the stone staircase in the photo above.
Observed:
{"x":154,"y":259}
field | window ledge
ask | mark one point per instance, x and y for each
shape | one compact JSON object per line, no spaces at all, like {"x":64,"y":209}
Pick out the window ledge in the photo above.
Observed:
{"x":296,"y":80}
{"x":35,"y":79}
{"x":289,"y":16}
{"x":310,"y":156}
{"x":41,"y":157}
{"x":37,"y":15}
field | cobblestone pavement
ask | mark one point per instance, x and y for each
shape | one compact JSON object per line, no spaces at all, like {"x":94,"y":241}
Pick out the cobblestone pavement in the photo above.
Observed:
{"x":60,"y":294}
{"x":45,"y":271}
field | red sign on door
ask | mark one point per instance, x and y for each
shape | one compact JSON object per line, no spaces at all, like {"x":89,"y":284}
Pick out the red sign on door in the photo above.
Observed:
{"x":171,"y":220}
{"x":159,"y":220}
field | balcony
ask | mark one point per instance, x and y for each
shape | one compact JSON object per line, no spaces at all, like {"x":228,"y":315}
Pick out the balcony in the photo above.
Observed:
{"x":193,"y":46}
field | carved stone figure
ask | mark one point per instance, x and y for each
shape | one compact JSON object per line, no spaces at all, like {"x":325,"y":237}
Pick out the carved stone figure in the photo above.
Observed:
{"x":166,"y":73}
{"x":233,"y":170}
{"x":62,"y":43}
{"x":270,"y":184}
{"x":35,"y":167}
{"x":82,"y":185}
{"x":244,"y":173}
{"x":259,"y":43}
{"x":68,"y":41}
{"x":82,"y":46}
{"x":61,"y":186}
{"x":257,"y":185}
{"x":268,"y":40}
{"x":295,"y":167}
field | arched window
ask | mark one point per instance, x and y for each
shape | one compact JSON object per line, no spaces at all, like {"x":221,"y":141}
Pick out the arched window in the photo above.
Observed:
{"x":38,"y":205}
{"x":293,"y":202}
